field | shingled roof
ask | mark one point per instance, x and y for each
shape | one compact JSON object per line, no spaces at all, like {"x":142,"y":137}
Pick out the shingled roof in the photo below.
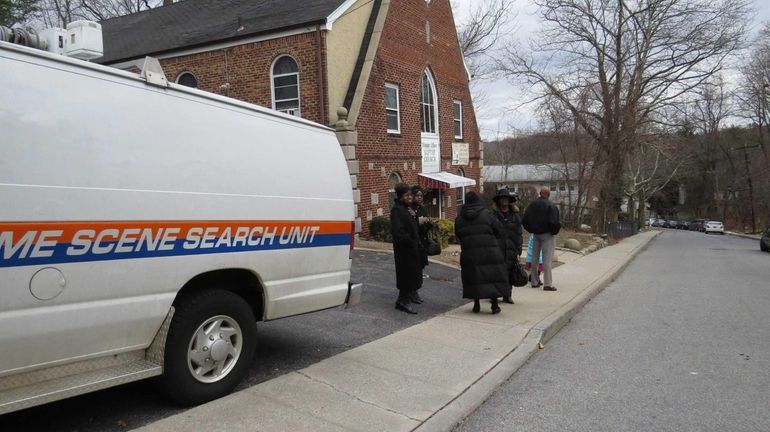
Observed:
{"x":192,"y":23}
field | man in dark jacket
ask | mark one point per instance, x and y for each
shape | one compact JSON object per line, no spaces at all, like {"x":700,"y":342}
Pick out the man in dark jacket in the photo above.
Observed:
{"x":511,"y":241}
{"x":406,"y":248}
{"x":482,"y":267}
{"x":541,"y":219}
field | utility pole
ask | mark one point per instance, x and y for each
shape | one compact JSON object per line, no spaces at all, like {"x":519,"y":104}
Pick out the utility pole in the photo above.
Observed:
{"x":751,"y":187}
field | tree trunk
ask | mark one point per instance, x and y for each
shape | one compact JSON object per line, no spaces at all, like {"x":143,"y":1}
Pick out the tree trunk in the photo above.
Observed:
{"x":609,"y":191}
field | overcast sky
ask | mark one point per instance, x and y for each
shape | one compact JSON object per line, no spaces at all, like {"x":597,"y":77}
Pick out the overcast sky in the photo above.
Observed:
{"x":500,"y":112}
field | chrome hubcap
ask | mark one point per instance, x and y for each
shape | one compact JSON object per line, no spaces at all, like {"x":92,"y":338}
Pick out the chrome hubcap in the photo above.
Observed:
{"x":214,"y":349}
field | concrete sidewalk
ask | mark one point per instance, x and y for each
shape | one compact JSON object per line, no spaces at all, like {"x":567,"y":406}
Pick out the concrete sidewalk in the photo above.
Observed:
{"x":427,"y":377}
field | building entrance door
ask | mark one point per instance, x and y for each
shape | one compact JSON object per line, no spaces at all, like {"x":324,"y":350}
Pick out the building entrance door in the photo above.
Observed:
{"x":431,"y":202}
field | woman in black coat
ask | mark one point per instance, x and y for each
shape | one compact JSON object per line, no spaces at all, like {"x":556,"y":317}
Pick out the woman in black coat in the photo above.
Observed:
{"x":406,"y":248}
{"x":511,"y":241}
{"x":483,"y":272}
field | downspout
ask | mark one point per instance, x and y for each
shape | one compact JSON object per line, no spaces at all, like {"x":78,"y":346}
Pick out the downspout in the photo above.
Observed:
{"x":319,"y":67}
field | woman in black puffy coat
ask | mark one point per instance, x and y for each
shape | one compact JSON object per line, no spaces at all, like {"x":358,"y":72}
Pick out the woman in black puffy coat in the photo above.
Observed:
{"x":484,"y":274}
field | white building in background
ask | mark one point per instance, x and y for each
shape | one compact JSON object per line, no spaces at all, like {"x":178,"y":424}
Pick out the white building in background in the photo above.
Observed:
{"x":526,"y":180}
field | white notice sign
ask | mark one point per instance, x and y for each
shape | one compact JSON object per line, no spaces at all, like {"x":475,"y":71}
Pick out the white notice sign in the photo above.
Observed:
{"x":431,"y":156}
{"x":460,"y":154}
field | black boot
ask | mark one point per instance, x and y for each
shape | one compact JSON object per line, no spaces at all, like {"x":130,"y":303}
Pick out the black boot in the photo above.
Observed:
{"x":402,"y":304}
{"x":415,"y":297}
{"x":508,"y":300}
{"x":495,"y":307}
{"x":476,"y":306}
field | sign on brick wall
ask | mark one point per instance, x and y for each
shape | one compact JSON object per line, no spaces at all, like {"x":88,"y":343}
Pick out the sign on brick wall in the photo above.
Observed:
{"x":431,"y":155}
{"x":460,"y":154}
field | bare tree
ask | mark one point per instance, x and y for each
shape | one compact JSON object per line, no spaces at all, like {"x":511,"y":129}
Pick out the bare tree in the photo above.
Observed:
{"x":753,"y":90}
{"x":650,"y":168}
{"x":633,"y":58}
{"x":59,"y":13}
{"x":104,"y":9}
{"x":711,"y":105}
{"x":479,"y":34}
{"x":576,"y":156}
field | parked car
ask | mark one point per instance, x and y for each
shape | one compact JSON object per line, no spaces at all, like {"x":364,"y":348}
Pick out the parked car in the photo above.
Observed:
{"x":683,"y":225}
{"x":714,"y":227}
{"x":764,"y":242}
{"x":657,"y":223}
{"x":697,"y":224}
{"x":670,"y":224}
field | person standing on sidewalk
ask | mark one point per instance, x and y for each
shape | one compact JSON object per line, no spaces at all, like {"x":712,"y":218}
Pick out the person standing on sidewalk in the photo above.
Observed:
{"x":528,"y":261}
{"x":511,"y":242}
{"x":482,"y":267}
{"x":424,"y":225}
{"x":542,"y":220}
{"x":406,"y":248}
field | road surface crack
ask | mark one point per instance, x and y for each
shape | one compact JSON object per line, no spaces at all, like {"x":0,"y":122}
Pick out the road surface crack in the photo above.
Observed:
{"x":357,"y":398}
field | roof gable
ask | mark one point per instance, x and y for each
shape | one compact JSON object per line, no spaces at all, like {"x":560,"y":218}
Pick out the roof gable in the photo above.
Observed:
{"x":193,"y":23}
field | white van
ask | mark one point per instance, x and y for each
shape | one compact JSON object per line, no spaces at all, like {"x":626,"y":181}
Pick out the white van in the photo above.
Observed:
{"x":145,"y":227}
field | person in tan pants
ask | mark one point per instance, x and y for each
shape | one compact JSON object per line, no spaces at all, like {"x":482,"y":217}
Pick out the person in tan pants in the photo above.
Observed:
{"x":542,"y":220}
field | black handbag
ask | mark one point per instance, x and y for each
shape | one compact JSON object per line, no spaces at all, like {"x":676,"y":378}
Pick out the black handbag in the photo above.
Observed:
{"x":434,"y":244}
{"x":519,"y":276}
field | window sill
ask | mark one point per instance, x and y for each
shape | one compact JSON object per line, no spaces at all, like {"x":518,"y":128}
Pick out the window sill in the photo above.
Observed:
{"x":394,"y":134}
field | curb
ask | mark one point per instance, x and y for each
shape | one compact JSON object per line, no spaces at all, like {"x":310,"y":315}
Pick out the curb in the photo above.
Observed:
{"x":471,"y":399}
{"x":746,"y":236}
{"x":475,"y":395}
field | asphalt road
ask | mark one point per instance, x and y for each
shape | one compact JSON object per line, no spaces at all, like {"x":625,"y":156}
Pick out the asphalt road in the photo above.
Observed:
{"x":679,"y":342}
{"x":283,"y":346}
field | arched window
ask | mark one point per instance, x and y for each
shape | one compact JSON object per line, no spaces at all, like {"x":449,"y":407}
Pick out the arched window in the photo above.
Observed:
{"x":393,"y":180}
{"x":460,"y":190}
{"x":285,"y":85}
{"x":187,"y":79}
{"x":428,"y":111}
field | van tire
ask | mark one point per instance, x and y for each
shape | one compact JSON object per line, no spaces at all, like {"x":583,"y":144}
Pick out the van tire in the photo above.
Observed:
{"x":183,"y":381}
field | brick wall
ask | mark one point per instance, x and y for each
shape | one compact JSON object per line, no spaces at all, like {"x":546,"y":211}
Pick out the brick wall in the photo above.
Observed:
{"x":247,"y":69}
{"x":403,"y":56}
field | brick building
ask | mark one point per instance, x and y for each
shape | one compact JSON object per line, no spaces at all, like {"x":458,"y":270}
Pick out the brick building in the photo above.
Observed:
{"x":394,"y":65}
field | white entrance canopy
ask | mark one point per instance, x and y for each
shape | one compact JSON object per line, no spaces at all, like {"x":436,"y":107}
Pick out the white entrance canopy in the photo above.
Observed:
{"x":444,"y":180}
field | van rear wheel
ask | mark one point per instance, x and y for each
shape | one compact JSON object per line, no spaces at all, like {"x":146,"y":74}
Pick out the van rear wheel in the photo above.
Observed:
{"x":209,"y":348}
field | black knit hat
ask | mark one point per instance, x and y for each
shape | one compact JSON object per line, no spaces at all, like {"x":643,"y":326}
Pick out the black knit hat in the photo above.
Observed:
{"x":472,"y":198}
